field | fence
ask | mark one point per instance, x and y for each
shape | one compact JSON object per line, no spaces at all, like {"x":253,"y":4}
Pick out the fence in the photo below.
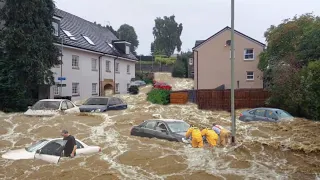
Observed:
{"x":179,"y":97}
{"x":221,"y":99}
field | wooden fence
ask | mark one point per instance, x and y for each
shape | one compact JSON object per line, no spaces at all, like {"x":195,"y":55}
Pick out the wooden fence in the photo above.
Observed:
{"x":221,"y":99}
{"x":179,"y":97}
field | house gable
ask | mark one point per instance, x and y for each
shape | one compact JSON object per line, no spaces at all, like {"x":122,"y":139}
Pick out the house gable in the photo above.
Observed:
{"x":199,"y":43}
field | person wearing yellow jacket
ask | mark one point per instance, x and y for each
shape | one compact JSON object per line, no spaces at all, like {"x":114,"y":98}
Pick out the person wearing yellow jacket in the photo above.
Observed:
{"x":223,"y":133}
{"x":211,"y":136}
{"x":195,"y":134}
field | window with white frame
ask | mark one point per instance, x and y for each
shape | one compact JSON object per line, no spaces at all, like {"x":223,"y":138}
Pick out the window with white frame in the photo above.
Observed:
{"x":75,"y":89}
{"x":117,"y":67}
{"x":94,"y":88}
{"x":117,"y":87}
{"x":248,"y":54}
{"x":55,"y":28}
{"x":75,"y":62}
{"x":128,"y":69}
{"x":56,"y":89}
{"x":250,"y":75}
{"x":93,"y":64}
{"x":107,"y":66}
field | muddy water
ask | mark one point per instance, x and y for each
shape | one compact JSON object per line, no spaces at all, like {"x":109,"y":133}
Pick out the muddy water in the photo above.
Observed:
{"x":289,"y":150}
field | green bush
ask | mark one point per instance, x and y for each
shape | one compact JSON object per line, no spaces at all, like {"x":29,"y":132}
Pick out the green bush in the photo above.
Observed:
{"x":148,"y":81}
{"x":179,"y":70}
{"x":159,"y":96}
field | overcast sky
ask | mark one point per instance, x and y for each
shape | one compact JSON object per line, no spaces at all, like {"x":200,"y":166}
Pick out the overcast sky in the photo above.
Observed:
{"x":200,"y":18}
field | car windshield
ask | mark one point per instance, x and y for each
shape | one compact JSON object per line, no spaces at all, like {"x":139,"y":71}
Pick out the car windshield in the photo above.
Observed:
{"x":96,"y":101}
{"x":46,"y":105}
{"x":35,"y":146}
{"x":283,"y":114}
{"x":178,"y":126}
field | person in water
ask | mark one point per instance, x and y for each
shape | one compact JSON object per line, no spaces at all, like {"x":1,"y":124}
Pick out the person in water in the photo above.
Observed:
{"x":211,"y":136}
{"x":223,"y":133}
{"x":71,"y":146}
{"x":195,"y":133}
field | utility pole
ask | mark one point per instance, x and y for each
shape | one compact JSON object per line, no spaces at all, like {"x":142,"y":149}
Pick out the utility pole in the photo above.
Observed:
{"x":140,"y":63}
{"x":61,"y":67}
{"x":154,"y":51}
{"x":232,"y":75}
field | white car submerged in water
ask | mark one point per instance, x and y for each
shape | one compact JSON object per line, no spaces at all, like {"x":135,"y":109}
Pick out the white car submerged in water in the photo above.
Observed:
{"x":51,"y":107}
{"x":49,"y":150}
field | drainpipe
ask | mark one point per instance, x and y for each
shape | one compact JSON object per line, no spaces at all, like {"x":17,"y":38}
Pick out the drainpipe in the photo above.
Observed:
{"x":114,"y":74}
{"x":99,"y":66}
{"x":197,"y":68}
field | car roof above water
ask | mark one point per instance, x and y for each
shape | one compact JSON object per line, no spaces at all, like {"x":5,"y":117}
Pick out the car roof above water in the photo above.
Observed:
{"x":266,"y":108}
{"x":54,"y":100}
{"x":166,"y":120}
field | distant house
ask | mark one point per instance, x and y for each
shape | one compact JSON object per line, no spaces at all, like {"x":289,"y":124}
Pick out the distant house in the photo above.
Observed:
{"x":94,"y":62}
{"x":212,"y":65}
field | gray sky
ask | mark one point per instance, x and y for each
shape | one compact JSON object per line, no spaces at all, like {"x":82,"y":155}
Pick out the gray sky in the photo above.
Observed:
{"x":200,"y":18}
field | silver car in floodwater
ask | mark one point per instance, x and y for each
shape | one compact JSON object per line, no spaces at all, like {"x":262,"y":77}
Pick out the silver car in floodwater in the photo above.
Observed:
{"x":265,"y":114}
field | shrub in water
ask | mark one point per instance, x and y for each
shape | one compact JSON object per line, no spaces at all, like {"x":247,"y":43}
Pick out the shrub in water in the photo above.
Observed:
{"x":159,"y":96}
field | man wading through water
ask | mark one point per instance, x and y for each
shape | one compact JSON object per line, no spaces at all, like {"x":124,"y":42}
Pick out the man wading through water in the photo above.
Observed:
{"x":71,"y":146}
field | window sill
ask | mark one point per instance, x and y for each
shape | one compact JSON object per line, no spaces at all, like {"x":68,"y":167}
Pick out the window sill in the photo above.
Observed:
{"x":250,"y":80}
{"x":248,"y":59}
{"x":128,"y":73}
{"x":94,"y":94}
{"x":117,"y":93}
{"x":75,"y":95}
{"x":108,"y":71}
{"x":94,"y":69}
{"x":117,"y":72}
{"x":77,"y":68}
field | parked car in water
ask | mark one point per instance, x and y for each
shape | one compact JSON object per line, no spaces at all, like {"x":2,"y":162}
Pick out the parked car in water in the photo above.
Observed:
{"x":138,"y":83}
{"x":102,"y":104}
{"x":169,"y":129}
{"x":51,"y":107}
{"x":49,"y":150}
{"x":265,"y":114}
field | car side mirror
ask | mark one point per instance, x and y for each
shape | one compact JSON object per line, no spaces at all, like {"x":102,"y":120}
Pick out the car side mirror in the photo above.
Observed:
{"x":38,"y":151}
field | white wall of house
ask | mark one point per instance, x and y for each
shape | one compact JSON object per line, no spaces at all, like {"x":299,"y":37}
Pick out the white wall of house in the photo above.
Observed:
{"x":86,"y":77}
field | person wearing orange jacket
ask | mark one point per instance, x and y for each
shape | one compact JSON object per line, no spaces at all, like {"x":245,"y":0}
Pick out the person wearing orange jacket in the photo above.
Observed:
{"x":211,"y":136}
{"x":195,"y":133}
{"x":223,"y":133}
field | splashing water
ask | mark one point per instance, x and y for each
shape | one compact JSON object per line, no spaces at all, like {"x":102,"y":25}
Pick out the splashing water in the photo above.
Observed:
{"x":288,"y":150}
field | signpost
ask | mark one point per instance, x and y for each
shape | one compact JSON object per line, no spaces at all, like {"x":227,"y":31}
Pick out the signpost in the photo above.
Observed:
{"x":62,"y":78}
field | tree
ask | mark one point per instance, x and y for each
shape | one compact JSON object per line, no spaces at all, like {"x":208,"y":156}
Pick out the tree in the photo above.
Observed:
{"x":127,"y":32}
{"x":29,"y":52}
{"x":292,"y":46}
{"x":167,"y":34}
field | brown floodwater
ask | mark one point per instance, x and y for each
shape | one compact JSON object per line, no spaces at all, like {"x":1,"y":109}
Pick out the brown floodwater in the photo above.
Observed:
{"x":287,"y":150}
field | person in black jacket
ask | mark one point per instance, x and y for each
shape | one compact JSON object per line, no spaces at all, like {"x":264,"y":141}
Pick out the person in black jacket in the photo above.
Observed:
{"x":71,"y":146}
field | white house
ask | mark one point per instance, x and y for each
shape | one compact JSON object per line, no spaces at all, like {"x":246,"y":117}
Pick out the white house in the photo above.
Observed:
{"x":94,"y":61}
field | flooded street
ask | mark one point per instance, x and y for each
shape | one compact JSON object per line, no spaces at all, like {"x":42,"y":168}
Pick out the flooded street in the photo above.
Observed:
{"x":287,"y":150}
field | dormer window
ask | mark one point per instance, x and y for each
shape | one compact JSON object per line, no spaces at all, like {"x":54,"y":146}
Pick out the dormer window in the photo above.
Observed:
{"x":127,"y":49}
{"x":55,"y":28}
{"x":88,"y":40}
{"x":69,"y":35}
{"x":123,"y":46}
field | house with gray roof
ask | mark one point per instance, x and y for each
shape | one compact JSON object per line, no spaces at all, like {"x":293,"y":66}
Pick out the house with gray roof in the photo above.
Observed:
{"x":94,"y":61}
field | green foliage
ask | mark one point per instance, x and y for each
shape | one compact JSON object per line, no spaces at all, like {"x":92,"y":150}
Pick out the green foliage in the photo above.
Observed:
{"x":290,"y":72}
{"x":148,"y":81}
{"x":165,"y":60}
{"x":167,"y":34}
{"x":127,"y":32}
{"x":179,"y":70}
{"x":146,"y":77}
{"x":159,"y":96}
{"x":310,"y":79}
{"x":133,"y":89}
{"x":29,"y":52}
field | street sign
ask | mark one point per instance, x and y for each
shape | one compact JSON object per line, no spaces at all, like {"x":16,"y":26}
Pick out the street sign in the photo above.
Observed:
{"x":63,"y":85}
{"x":61,"y":78}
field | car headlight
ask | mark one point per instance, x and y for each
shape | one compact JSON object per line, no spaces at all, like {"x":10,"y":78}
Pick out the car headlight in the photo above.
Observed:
{"x":97,"y":110}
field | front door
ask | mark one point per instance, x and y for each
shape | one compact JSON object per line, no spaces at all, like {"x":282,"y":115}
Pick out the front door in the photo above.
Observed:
{"x":51,"y":152}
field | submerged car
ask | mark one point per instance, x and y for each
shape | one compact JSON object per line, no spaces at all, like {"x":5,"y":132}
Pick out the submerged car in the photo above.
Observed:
{"x":138,"y":83}
{"x":168,"y":129}
{"x":51,"y":107}
{"x":265,"y":114}
{"x":102,"y":104}
{"x":49,"y":150}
